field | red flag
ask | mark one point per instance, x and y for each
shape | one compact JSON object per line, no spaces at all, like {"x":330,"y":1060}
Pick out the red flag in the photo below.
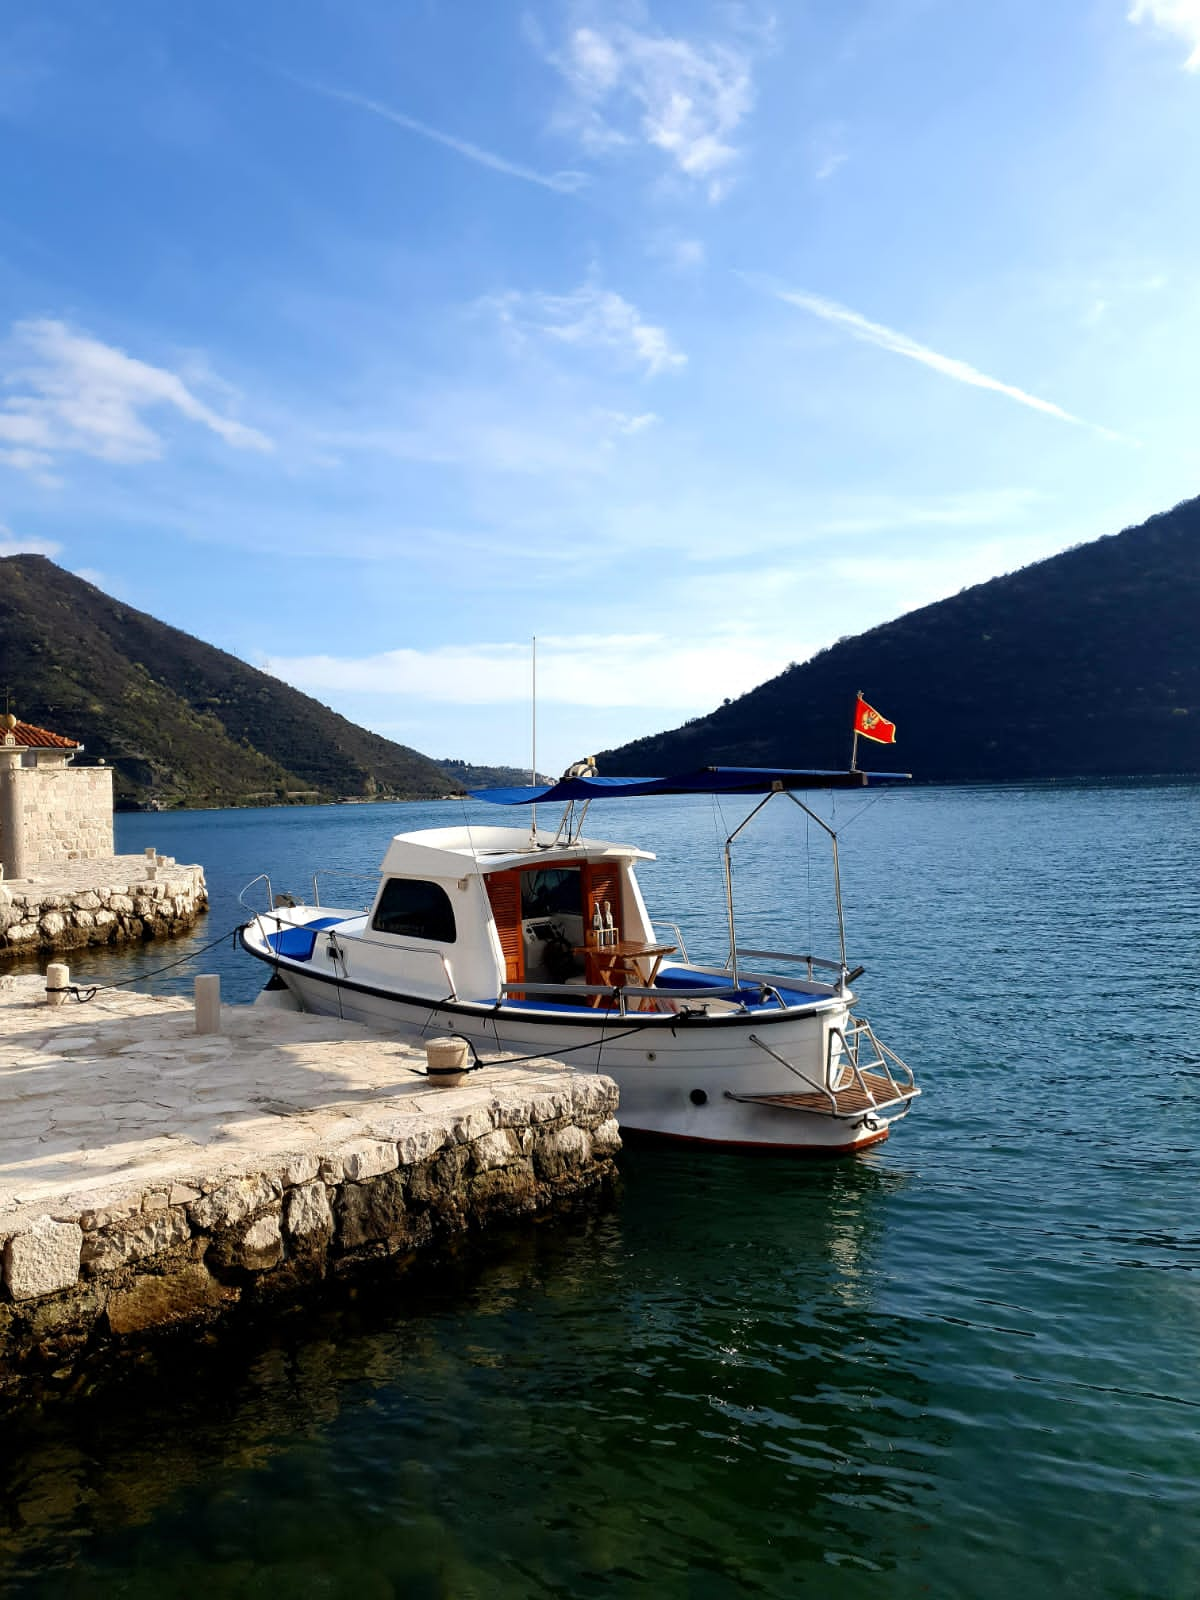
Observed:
{"x":871,"y":725}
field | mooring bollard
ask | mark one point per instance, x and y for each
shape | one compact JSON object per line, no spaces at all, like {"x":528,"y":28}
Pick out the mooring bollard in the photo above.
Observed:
{"x":446,"y":1062}
{"x":58,"y":977}
{"x":208,"y":1003}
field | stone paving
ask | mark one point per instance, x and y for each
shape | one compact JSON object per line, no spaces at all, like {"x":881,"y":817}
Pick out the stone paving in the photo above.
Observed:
{"x":121,"y":1094}
{"x":104,"y":872}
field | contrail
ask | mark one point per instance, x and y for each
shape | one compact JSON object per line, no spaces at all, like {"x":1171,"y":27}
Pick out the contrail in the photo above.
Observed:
{"x":560,"y":182}
{"x":900,"y":344}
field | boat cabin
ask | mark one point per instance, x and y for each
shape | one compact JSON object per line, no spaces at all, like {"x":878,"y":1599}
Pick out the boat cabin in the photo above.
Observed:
{"x":495,"y":906}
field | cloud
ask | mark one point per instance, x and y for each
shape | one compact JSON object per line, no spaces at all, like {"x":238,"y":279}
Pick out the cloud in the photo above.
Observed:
{"x":71,"y":393}
{"x":560,"y":182}
{"x":510,"y":428}
{"x":588,"y":670}
{"x":590,"y":318}
{"x":900,"y":344}
{"x":684,"y":99}
{"x":625,"y":423}
{"x":12,"y":545}
{"x":828,"y":149}
{"x":1180,"y":17}
{"x":678,"y":253}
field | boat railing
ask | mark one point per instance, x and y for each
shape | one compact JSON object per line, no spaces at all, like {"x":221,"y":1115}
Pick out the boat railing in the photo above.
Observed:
{"x":664,"y":922}
{"x":242,"y":901}
{"x":334,"y":872}
{"x":390,"y":945}
{"x":846,"y":1046}
{"x":808,"y":961}
{"x":629,"y":991}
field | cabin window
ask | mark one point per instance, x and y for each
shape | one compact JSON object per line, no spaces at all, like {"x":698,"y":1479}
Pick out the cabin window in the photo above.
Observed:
{"x":416,"y":910}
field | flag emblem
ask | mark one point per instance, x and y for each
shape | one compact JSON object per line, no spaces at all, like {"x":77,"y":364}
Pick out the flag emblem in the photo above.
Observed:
{"x":869,"y":723}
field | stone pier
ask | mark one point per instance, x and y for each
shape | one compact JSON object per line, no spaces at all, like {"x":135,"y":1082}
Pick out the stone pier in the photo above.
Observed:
{"x":105,"y":900}
{"x":152,"y":1177}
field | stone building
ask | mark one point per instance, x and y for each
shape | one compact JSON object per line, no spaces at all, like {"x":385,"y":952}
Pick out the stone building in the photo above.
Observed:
{"x":51,"y":813}
{"x":63,"y":887}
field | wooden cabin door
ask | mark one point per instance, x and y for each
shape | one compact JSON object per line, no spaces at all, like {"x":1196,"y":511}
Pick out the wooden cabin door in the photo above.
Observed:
{"x":504,"y":892}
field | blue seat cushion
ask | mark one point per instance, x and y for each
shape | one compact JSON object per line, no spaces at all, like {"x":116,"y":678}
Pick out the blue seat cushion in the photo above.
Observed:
{"x":298,"y":944}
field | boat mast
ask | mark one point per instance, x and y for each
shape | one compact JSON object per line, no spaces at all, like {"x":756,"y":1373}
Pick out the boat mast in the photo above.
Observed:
{"x":533,"y":739}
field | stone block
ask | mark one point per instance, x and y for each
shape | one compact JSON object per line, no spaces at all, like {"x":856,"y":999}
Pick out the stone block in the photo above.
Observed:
{"x":372,"y":1212}
{"x":478,"y":1121}
{"x":593,"y":1097}
{"x":233,"y":1201}
{"x":262,"y":1244}
{"x":43,"y":1259}
{"x":499,"y":1148}
{"x":368,"y":1159}
{"x":505,"y":1191}
{"x":551,"y":1106}
{"x":298,"y":1170}
{"x":560,"y":1150}
{"x":438,"y":1180}
{"x":107,"y":1207}
{"x":606,"y":1140}
{"x":157,"y":1300}
{"x":307,"y":1213}
{"x":416,"y":1139}
{"x":146,"y":1235}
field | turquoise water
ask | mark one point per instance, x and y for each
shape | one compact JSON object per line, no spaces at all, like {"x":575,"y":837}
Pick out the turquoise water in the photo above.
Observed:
{"x":963,"y":1364}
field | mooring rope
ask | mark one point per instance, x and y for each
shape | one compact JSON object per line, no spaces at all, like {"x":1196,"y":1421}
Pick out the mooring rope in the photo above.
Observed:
{"x":84,"y":993}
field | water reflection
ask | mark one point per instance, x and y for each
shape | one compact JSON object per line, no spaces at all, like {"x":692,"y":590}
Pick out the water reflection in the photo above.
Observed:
{"x":688,"y":1384}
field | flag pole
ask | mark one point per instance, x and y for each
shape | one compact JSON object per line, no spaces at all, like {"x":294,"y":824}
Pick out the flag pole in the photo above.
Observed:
{"x":854,"y":744}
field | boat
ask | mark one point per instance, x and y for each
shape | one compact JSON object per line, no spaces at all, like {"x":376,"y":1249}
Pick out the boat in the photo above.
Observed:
{"x":539,"y":942}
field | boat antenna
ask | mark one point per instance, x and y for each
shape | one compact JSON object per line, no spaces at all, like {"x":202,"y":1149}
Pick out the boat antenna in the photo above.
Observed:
{"x":533,"y":738}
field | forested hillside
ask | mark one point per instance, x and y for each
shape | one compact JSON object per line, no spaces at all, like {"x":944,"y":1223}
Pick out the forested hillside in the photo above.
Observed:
{"x":1085,"y":664}
{"x":180,"y":722}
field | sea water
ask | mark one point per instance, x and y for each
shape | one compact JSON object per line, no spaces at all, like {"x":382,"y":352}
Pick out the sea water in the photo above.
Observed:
{"x":966,"y":1363}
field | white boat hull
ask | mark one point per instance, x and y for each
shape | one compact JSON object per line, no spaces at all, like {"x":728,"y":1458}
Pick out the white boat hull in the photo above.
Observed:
{"x":677,"y":1079}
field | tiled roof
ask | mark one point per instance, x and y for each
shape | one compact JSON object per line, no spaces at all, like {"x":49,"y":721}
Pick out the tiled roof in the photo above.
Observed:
{"x":24,"y":733}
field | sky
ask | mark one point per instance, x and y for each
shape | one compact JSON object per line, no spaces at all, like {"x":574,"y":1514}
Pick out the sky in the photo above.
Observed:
{"x":370,"y":339}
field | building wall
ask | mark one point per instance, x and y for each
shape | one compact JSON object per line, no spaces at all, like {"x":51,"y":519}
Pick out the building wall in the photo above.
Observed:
{"x":66,"y":812}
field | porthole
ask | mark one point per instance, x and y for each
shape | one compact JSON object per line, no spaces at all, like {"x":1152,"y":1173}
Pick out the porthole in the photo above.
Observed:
{"x":698,"y":1097}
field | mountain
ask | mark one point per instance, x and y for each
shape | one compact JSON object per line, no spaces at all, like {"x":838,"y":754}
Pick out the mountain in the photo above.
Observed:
{"x":468,"y":776}
{"x":1087,"y":664}
{"x":180,"y":722}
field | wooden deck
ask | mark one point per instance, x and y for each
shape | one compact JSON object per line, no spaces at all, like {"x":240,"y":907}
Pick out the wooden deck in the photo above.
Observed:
{"x":850,"y":1100}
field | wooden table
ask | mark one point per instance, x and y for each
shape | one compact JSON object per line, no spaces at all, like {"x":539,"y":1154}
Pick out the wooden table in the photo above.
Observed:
{"x":628,"y":961}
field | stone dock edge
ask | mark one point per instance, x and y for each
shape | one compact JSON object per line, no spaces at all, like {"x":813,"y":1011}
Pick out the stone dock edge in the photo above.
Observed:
{"x":120,"y":900}
{"x":79,"y":1280}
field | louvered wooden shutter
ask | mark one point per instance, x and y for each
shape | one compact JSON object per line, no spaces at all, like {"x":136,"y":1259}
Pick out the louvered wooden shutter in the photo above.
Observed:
{"x":601,"y":883}
{"x":504,"y":892}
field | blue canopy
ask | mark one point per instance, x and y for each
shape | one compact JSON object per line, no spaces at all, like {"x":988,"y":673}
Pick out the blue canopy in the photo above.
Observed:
{"x":704,"y":780}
